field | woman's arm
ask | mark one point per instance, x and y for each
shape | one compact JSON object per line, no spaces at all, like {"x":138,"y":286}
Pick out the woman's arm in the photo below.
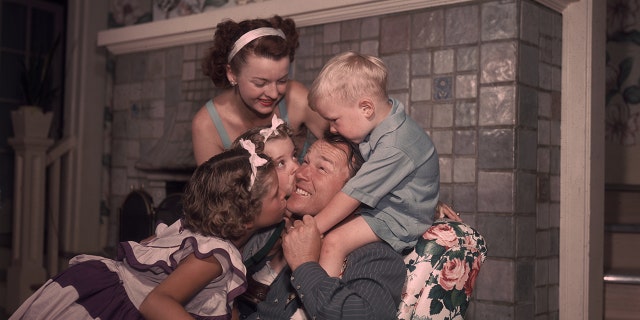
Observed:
{"x":167,"y":300}
{"x":206,"y":142}
{"x":443,"y":210}
{"x":300,"y":113}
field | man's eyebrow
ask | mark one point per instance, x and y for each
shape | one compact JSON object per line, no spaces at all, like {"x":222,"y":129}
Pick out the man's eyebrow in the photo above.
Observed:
{"x":328,"y":160}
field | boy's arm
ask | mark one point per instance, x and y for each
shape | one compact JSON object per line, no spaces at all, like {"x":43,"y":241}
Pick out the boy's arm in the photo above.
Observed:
{"x":340,"y":207}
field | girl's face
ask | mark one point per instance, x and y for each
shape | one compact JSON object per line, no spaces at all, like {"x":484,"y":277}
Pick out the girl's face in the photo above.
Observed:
{"x":262,"y":82}
{"x":273,"y":204}
{"x":283,"y":154}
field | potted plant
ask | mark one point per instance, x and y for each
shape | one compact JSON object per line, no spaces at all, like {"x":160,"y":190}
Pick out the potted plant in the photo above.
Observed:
{"x":33,"y":119}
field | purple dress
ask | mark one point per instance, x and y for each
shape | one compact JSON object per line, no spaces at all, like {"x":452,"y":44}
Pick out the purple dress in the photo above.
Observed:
{"x":95,"y":287}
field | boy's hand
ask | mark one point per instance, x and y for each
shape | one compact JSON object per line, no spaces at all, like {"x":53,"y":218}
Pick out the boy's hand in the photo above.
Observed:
{"x":302,"y":243}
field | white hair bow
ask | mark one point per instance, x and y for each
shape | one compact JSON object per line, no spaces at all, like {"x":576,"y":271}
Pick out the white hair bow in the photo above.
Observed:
{"x":275,"y":123}
{"x":254,"y":159}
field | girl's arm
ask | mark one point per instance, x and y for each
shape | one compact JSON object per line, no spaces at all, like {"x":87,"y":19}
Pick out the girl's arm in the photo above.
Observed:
{"x":167,"y":300}
{"x":340,"y":207}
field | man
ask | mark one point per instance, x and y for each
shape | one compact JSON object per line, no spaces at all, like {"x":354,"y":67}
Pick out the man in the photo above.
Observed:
{"x":373,"y":275}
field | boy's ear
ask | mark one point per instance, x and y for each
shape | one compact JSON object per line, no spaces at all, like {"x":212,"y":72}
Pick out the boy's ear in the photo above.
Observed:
{"x":367,"y":107}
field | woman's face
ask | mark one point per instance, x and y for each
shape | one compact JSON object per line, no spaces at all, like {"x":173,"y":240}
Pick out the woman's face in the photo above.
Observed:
{"x":262,"y":82}
{"x":282,"y":152}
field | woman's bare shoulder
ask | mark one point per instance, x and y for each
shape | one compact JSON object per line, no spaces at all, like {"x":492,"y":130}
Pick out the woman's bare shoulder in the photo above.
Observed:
{"x":301,"y":113}
{"x":297,"y":105}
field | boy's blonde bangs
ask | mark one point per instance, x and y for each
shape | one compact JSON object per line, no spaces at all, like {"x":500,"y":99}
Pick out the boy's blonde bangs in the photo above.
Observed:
{"x":349,"y":77}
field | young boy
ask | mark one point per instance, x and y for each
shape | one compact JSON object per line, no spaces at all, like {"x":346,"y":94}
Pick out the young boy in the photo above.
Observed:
{"x":398,"y":184}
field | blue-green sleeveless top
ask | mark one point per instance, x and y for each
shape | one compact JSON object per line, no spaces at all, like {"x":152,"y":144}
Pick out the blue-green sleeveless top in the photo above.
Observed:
{"x":224,"y":136}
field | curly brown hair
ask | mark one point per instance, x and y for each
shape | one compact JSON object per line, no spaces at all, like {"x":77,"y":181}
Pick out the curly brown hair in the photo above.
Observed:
{"x":217,"y":200}
{"x":227,"y":33}
{"x":283,"y":131}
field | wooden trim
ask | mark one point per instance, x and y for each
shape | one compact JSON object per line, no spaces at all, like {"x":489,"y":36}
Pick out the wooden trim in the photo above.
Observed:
{"x":619,"y":187}
{"x":582,"y":161}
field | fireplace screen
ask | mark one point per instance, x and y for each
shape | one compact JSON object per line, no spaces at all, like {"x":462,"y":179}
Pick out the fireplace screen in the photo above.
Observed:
{"x":138,"y":216}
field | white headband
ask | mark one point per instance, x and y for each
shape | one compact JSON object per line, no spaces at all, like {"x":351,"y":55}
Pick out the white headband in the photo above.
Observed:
{"x":254,"y":159}
{"x":275,"y":123}
{"x":252,"y":35}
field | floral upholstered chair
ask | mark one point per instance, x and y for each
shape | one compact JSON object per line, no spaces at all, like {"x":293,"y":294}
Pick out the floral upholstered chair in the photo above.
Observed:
{"x":441,"y":272}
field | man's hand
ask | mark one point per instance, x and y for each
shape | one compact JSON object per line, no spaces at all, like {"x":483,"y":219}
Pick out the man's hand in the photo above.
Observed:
{"x":302,"y":243}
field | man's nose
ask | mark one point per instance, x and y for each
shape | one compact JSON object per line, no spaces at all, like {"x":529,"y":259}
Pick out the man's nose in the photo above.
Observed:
{"x":332,"y":129}
{"x":301,"y":172}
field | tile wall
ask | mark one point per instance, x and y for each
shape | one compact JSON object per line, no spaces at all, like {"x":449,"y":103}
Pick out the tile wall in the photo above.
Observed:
{"x":482,"y":78}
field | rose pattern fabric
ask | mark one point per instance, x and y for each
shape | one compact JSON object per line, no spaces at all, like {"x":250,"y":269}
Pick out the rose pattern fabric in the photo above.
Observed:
{"x":441,"y":272}
{"x":443,"y":234}
{"x":454,"y":274}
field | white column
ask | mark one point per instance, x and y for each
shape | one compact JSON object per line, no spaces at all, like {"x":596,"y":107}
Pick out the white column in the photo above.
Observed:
{"x":27,"y":268}
{"x":582,"y":160}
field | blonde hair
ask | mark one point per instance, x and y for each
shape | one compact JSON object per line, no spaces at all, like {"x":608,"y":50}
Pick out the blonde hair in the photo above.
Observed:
{"x":349,"y":76}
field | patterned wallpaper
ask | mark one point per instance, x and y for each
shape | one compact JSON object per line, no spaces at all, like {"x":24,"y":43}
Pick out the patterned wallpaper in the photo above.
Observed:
{"x":623,"y":72}
{"x":129,"y":12}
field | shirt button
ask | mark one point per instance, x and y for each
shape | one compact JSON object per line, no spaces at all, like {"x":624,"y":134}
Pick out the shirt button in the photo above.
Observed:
{"x":298,"y":287}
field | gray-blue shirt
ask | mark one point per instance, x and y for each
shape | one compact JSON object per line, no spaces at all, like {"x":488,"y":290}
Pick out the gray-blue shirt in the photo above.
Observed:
{"x":400,"y":180}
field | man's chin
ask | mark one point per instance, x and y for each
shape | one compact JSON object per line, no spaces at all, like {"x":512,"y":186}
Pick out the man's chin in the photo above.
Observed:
{"x":298,"y":205}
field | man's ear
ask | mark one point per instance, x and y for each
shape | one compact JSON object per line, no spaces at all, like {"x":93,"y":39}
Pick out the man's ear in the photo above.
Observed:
{"x":367,"y":107}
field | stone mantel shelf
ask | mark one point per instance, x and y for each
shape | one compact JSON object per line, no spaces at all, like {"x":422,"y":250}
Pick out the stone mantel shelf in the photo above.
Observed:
{"x":199,"y":28}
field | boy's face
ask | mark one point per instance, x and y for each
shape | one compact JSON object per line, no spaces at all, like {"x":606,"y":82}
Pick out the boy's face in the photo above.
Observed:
{"x":349,"y":119}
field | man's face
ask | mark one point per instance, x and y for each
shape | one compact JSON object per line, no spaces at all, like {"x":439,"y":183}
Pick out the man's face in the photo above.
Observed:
{"x":322,"y":174}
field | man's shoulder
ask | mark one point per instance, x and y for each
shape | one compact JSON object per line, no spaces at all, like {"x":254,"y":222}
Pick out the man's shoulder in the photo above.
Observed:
{"x":375,"y":250}
{"x":378,"y":259}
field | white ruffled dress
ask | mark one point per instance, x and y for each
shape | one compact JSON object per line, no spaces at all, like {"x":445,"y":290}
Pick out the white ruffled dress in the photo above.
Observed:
{"x":95,"y":287}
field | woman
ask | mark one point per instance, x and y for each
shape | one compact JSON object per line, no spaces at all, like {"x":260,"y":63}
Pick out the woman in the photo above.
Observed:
{"x":250,"y":61}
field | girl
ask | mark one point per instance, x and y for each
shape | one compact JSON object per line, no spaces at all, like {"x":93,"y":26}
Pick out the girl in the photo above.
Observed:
{"x":276,"y":141}
{"x":191,"y":268}
{"x":249,"y":62}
